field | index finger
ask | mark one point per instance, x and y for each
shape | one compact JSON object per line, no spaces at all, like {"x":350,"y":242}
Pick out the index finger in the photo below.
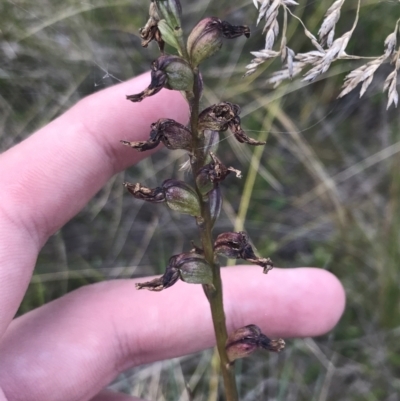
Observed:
{"x":48,"y":178}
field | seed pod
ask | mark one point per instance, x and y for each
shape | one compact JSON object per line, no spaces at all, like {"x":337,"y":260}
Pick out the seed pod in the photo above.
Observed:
{"x":236,"y":246}
{"x":206,"y":38}
{"x":220,"y":117}
{"x":172,"y":134}
{"x":190,"y":267}
{"x":211,"y":141}
{"x":179,"y":73}
{"x":171,"y":72}
{"x":181,"y":197}
{"x":215,"y":201}
{"x":203,"y":182}
{"x":244,"y":341}
{"x":194,"y":269}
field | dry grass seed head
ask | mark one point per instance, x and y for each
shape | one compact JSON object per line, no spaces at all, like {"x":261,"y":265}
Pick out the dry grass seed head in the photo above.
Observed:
{"x":327,"y":31}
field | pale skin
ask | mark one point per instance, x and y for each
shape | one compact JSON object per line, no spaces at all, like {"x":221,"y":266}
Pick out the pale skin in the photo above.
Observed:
{"x":72,"y":348}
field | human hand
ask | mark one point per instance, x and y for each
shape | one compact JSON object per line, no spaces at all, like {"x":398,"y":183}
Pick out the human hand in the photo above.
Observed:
{"x":71,"y":348}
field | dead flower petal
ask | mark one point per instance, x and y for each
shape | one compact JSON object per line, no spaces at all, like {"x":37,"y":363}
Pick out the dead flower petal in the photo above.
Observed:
{"x":139,"y":191}
{"x":158,"y":81}
{"x":170,"y":277}
{"x":241,"y":136}
{"x":142,"y":146}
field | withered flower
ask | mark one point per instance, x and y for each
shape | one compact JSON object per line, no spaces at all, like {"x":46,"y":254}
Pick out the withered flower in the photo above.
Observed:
{"x":244,"y":341}
{"x":171,"y":72}
{"x":190,"y":267}
{"x":139,"y":191}
{"x":236,"y":246}
{"x":206,"y":38}
{"x":150,"y":31}
{"x":220,"y":117}
{"x":172,"y":134}
{"x":178,"y":195}
{"x":169,"y":278}
{"x":213,"y":173}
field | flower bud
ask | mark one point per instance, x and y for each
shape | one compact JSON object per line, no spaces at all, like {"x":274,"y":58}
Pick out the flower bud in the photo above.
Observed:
{"x":171,"y":72}
{"x":236,"y":246}
{"x":190,"y":267}
{"x":220,"y":117}
{"x":172,"y":134}
{"x":206,"y":38}
{"x":181,"y":197}
{"x":244,"y":341}
{"x":171,"y":10}
{"x":167,"y":33}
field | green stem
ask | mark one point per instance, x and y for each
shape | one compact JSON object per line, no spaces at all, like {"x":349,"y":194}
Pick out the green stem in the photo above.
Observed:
{"x":214,"y":295}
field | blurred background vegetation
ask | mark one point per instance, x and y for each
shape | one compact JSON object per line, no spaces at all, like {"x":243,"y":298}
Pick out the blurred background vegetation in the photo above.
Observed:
{"x":324,"y":192}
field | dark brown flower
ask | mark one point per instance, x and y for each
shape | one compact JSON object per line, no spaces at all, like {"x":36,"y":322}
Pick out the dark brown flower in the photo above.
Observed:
{"x":213,"y":173}
{"x":234,"y":31}
{"x":178,"y":195}
{"x":236,"y":245}
{"x":158,"y":81}
{"x":220,"y":117}
{"x":171,"y":72}
{"x":190,"y":267}
{"x":169,"y":278}
{"x":139,"y":191}
{"x":172,"y":134}
{"x":244,"y":341}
